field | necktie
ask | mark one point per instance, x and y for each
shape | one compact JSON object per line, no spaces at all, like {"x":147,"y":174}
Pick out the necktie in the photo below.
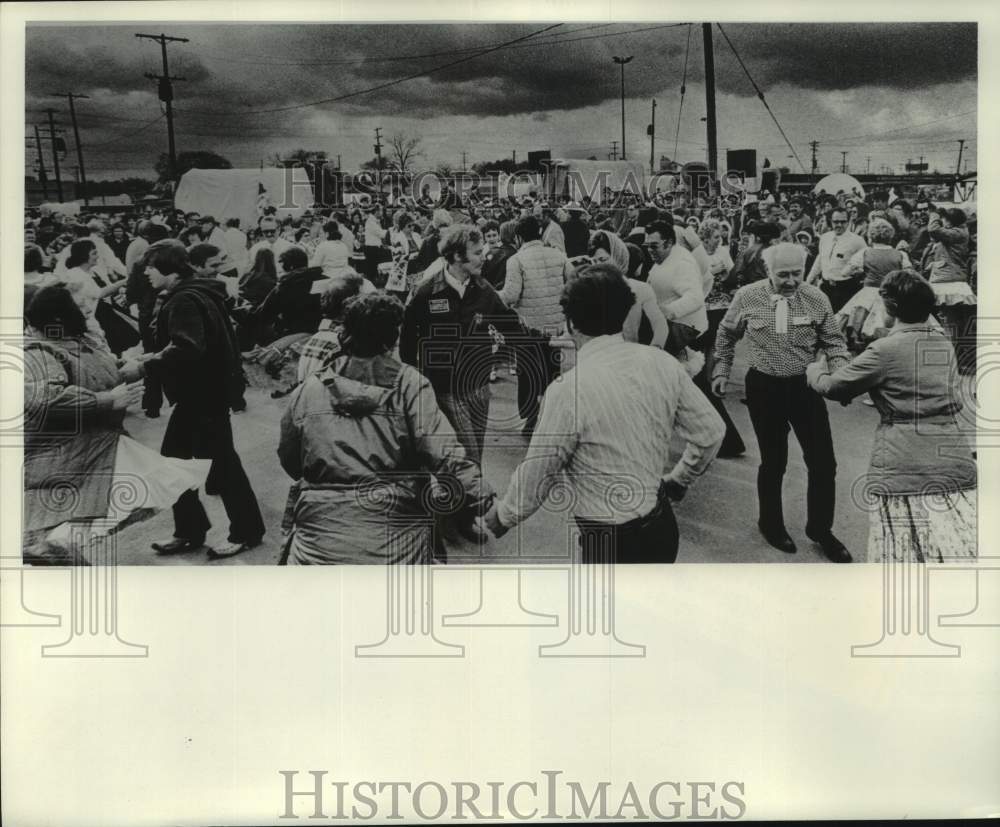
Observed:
{"x":780,"y":313}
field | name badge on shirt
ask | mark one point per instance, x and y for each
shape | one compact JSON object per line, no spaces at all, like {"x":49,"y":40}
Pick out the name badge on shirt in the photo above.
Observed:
{"x":798,"y":320}
{"x":439,"y":306}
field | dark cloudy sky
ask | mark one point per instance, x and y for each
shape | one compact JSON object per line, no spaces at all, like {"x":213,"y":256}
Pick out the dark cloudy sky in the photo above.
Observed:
{"x":881,"y":92}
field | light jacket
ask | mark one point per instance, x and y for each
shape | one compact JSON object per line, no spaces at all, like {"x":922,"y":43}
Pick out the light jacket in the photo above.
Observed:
{"x":536,"y":275}
{"x":911,"y":377}
{"x":364,"y":436}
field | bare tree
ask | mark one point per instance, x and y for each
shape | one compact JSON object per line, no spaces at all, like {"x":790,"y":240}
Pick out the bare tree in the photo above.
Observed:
{"x":404,"y":151}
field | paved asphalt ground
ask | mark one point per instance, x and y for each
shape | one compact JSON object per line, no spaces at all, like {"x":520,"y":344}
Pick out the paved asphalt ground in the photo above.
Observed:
{"x":717,"y":519}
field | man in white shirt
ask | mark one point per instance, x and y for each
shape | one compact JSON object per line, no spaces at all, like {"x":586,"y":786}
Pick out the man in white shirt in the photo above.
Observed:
{"x":552,"y":234}
{"x":836,"y":249}
{"x":676,"y":279}
{"x":606,"y":429}
{"x":271,"y":239}
{"x":236,"y":245}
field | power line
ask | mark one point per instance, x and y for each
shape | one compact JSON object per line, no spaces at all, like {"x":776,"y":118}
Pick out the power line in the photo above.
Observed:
{"x":398,"y":58}
{"x":381,"y":86}
{"x":761,"y":96}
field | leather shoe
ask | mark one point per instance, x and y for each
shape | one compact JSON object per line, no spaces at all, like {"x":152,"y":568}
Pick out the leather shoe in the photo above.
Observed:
{"x":230,"y":550}
{"x":779,"y":539}
{"x":834,"y":550}
{"x":178,"y":546}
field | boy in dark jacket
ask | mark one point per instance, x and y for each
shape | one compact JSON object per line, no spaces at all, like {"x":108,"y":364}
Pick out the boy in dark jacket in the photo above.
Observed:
{"x":198,"y":363}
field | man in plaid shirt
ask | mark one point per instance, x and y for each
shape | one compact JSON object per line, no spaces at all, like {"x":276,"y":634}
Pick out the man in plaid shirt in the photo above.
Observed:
{"x":787,"y":325}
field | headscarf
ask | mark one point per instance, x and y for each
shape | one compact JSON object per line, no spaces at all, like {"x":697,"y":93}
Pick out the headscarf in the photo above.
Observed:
{"x":618,"y":251}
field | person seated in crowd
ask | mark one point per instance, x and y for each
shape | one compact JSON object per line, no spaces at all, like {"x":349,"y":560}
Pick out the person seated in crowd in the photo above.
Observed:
{"x":34,"y":278}
{"x":324,"y":345}
{"x":285,"y":319}
{"x":368,"y":429}
{"x":332,"y":255}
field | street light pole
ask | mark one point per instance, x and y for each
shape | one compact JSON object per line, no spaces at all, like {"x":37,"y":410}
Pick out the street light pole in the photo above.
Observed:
{"x":621,"y":61}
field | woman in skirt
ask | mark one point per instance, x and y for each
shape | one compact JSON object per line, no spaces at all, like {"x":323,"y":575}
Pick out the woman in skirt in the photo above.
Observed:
{"x":921,"y":484}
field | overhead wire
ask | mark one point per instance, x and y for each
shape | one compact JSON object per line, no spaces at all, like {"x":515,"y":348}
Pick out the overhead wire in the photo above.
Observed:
{"x":760,"y":95}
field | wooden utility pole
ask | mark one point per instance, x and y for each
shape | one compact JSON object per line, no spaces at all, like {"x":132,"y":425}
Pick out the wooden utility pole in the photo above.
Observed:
{"x":961,"y":146}
{"x":814,"y":145}
{"x":70,"y":96}
{"x":652,"y":138}
{"x":166,"y":93}
{"x":55,"y":154}
{"x":706,"y":30}
{"x":41,"y":165}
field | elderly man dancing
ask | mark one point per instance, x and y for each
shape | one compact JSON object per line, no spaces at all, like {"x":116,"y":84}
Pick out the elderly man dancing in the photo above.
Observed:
{"x":787,"y":324}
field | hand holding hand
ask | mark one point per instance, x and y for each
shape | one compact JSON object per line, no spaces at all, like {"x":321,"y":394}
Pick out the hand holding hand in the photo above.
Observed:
{"x":126,"y":395}
{"x":492,"y":521}
{"x":674,"y":490}
{"x":719,"y":386}
{"x":814,"y":371}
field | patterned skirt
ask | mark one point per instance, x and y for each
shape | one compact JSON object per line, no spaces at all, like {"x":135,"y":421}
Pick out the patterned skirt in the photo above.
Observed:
{"x":923,"y":528}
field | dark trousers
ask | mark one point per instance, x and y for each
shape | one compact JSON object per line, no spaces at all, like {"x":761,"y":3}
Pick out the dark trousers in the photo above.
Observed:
{"x":960,"y":323}
{"x":468,"y":414}
{"x":190,"y":435}
{"x":373,"y":255}
{"x":537,"y":366}
{"x":732,"y":442}
{"x":649,"y":539}
{"x":840,"y":292}
{"x":775,"y":404}
{"x":152,"y":390}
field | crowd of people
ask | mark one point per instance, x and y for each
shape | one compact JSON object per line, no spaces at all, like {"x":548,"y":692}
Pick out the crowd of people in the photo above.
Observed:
{"x":385,"y":326}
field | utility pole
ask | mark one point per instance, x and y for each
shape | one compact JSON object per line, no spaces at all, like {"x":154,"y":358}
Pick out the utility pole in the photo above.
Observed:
{"x":514,"y":156}
{"x":814,"y":145}
{"x":166,"y":94}
{"x":614,"y":150}
{"x":76,"y":135}
{"x":868,"y":164}
{"x":463,"y":161}
{"x":338,"y":161}
{"x":378,"y":159}
{"x":652,"y":138}
{"x":706,"y":31}
{"x":961,"y":146}
{"x":621,"y":61}
{"x":41,"y":165}
{"x":843,"y":162}
{"x":55,"y":154}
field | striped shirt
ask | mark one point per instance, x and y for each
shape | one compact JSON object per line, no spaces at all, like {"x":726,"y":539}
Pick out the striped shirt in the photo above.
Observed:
{"x":605,"y":428}
{"x":811,"y":327}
